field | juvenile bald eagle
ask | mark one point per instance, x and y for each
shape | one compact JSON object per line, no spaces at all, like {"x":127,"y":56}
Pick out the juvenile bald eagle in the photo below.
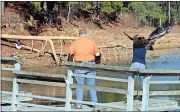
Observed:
{"x":139,"y":42}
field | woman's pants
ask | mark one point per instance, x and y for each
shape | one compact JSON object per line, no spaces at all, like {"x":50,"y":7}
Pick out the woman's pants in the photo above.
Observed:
{"x":138,"y":66}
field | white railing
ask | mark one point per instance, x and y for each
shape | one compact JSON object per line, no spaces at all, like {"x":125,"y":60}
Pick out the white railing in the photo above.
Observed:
{"x":146,"y":92}
{"x":120,"y":70}
{"x":147,"y":73}
{"x":20,"y":77}
{"x":26,"y":77}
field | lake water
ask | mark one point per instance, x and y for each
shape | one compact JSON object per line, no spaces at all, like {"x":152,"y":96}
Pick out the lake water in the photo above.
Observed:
{"x":170,"y":61}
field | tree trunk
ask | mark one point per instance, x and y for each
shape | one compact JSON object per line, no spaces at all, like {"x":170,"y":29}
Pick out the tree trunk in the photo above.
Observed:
{"x":178,"y":10}
{"x":169,"y":11}
{"x":97,"y":10}
{"x":69,"y":13}
{"x":45,"y":5}
{"x":2,"y":8}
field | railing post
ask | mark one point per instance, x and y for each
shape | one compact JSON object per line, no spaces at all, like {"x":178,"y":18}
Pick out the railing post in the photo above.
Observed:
{"x":14,"y":95}
{"x":130,"y":93}
{"x":17,"y":67}
{"x":69,"y":81}
{"x":145,"y":97}
{"x":15,"y":88}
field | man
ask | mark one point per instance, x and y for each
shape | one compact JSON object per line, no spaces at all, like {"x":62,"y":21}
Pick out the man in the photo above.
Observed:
{"x":84,"y":50}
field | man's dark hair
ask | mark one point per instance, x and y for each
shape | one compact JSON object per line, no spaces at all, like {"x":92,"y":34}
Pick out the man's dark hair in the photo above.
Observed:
{"x":82,"y":31}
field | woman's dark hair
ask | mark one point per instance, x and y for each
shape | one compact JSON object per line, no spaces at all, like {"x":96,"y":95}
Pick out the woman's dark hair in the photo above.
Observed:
{"x":140,"y":42}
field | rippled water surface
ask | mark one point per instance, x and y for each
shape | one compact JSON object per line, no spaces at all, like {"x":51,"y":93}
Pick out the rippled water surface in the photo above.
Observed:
{"x":170,"y":61}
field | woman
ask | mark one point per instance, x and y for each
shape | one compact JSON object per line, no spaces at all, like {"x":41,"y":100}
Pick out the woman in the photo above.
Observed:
{"x":140,"y":47}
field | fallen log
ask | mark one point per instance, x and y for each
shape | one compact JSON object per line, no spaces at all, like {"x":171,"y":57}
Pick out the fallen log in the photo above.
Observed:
{"x":47,"y":38}
{"x":20,"y":37}
{"x":49,"y":53}
{"x":30,"y":48}
{"x":122,"y":46}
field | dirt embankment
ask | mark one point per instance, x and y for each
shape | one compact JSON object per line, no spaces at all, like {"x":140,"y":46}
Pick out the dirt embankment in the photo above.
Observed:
{"x":109,"y":36}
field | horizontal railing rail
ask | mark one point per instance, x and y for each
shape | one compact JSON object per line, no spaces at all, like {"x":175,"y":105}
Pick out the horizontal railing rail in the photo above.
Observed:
{"x":120,"y":70}
{"x":15,"y":92}
{"x":10,"y":60}
{"x":101,"y":78}
{"x":98,"y":88}
{"x":37,"y":74}
{"x":63,"y":81}
{"x":147,"y":73}
{"x":15,"y":97}
{"x":159,"y":72}
{"x":101,"y":104}
{"x":101,"y":67}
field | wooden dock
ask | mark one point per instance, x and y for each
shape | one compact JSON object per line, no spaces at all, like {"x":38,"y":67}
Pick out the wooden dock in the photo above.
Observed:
{"x":154,"y":103}
{"x":8,"y":97}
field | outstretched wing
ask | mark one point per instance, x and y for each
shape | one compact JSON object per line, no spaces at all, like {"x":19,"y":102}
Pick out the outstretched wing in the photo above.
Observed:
{"x":158,"y":32}
{"x":161,"y":31}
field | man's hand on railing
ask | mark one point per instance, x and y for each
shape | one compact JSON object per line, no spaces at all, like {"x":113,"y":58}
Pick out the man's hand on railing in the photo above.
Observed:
{"x":98,"y":59}
{"x":70,"y":57}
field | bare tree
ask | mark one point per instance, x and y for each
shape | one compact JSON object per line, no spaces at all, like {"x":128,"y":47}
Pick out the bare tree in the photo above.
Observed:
{"x":169,"y":11}
{"x":69,"y":11}
{"x":2,"y":8}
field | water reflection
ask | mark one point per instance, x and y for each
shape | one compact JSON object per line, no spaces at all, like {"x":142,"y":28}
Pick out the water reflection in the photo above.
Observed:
{"x":105,"y":97}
